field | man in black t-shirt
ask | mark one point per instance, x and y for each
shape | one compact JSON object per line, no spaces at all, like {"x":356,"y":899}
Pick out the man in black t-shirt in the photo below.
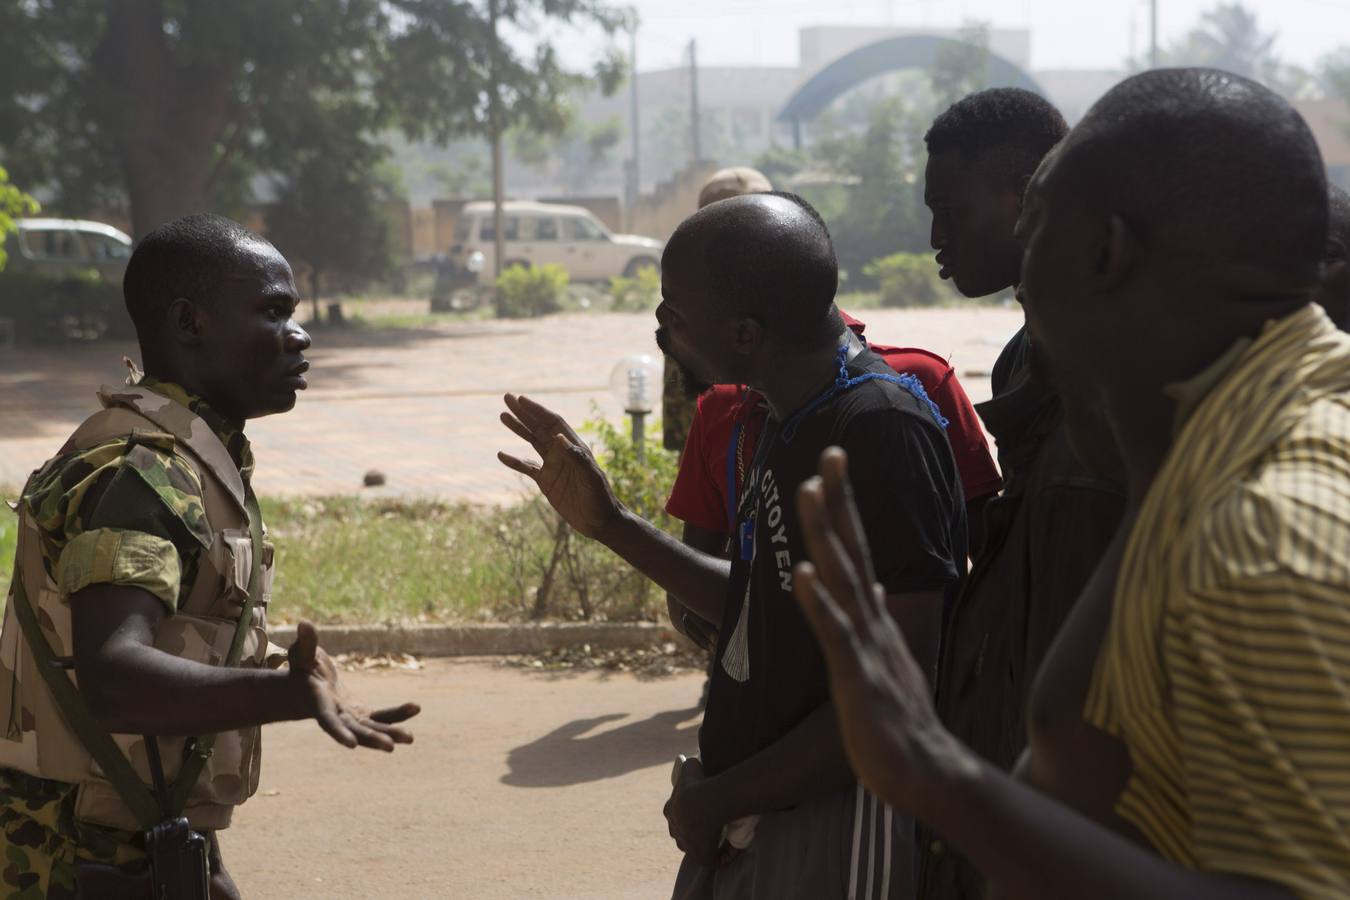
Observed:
{"x":773,"y":810}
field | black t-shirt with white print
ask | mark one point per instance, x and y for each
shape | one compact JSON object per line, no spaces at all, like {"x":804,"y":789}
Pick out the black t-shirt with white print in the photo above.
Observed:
{"x":769,"y":672}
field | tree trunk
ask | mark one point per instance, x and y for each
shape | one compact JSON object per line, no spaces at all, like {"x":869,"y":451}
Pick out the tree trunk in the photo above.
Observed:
{"x":314,"y":291}
{"x":165,"y":118}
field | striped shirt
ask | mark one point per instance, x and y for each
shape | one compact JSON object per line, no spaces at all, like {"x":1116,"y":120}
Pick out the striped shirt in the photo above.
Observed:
{"x":1226,"y":668}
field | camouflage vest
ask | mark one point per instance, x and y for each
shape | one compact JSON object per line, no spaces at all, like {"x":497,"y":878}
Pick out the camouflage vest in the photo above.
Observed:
{"x":35,"y":737}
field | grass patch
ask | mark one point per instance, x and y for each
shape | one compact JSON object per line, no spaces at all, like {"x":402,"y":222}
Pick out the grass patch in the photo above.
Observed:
{"x":346,"y":559}
{"x":9,"y":538}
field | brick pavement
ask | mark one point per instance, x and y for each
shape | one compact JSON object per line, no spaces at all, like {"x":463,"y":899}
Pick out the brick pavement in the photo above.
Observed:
{"x":421,"y":406}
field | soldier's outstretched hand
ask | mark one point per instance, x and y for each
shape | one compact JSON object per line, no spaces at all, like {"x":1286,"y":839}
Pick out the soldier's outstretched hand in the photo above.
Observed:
{"x":568,"y":475}
{"x":885,"y":710}
{"x":347,"y":720}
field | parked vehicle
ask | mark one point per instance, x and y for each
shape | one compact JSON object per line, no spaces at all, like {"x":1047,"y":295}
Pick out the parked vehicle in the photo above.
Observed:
{"x":62,"y":248}
{"x":63,"y":280}
{"x":542,"y":233}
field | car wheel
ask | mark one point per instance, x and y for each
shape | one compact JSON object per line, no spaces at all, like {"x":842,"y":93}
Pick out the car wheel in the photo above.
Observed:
{"x":639,"y":263}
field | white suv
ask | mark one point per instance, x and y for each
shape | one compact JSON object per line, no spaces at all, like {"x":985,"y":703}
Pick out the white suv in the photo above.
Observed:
{"x":542,"y":233}
{"x":62,"y":248}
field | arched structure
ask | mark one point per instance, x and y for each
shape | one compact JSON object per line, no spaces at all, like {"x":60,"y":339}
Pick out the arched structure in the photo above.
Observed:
{"x":909,"y":51}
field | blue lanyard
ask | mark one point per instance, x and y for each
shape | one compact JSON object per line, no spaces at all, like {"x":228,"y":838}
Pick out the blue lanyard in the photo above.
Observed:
{"x":744,"y":529}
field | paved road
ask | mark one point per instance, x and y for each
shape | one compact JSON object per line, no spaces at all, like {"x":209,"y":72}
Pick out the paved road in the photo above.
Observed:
{"x":520,"y":784}
{"x":422,"y":406}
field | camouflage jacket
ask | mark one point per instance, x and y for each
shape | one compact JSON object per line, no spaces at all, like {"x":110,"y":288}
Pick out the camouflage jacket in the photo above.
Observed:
{"x":150,"y":492}
{"x":153,"y":501}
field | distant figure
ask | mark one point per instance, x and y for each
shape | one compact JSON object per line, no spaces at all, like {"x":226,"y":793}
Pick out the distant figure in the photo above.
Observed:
{"x":143,"y":570}
{"x":1190,"y":727}
{"x":1334,"y":292}
{"x":773,"y":809}
{"x":677,"y":396}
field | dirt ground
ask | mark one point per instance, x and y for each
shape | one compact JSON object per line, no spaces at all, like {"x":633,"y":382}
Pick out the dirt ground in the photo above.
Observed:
{"x":520,"y":784}
{"x":422,"y":406}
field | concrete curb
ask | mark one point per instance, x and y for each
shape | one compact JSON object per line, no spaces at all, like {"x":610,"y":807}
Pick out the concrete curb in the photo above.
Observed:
{"x":485,"y":640}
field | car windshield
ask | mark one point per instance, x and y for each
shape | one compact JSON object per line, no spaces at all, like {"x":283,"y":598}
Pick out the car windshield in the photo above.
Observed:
{"x":577,"y":228}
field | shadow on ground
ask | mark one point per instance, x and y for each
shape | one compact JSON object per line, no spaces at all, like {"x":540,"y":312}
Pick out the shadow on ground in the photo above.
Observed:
{"x":569,"y":755}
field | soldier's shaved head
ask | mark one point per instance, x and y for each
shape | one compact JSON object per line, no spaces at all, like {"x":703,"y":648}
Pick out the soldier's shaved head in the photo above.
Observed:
{"x":189,"y":257}
{"x":765,"y":256}
{"x":1211,"y":167}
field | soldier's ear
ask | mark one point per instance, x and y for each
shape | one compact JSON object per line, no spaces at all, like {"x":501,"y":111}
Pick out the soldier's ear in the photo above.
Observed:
{"x":184,"y":321}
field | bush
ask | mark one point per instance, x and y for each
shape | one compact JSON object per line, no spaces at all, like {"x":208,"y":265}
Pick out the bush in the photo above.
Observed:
{"x":531,"y":291}
{"x":636,"y":294}
{"x":51,"y":309}
{"x":908,"y":279}
{"x":571,"y":577}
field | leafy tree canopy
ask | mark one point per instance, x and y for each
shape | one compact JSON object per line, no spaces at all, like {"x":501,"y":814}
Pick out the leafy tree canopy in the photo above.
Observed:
{"x":169,"y":106}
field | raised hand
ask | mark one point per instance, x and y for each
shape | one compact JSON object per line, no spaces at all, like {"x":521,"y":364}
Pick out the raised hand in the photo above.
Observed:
{"x":885,"y":709}
{"x":569,"y":477}
{"x":347,"y":720}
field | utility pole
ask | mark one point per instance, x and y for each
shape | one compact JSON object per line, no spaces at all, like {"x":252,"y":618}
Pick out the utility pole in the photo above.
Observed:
{"x":1153,"y":34}
{"x":495,"y":120}
{"x":697,"y":147}
{"x":634,"y":172}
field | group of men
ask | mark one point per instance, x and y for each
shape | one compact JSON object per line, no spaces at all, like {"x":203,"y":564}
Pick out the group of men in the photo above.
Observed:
{"x":1138,"y":689}
{"x":1118,"y":669}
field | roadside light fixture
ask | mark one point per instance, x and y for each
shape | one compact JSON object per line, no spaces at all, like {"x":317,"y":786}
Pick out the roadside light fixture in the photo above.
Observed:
{"x":635,"y":381}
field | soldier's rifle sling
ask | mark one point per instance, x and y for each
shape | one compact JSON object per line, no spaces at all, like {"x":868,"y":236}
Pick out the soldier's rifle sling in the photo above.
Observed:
{"x":96,"y":739}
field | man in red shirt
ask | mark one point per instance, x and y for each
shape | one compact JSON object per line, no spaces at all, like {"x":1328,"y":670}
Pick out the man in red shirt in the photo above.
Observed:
{"x":725,"y":431}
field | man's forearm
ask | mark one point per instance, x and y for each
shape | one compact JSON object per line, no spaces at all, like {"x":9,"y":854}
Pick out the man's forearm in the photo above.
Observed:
{"x":1031,"y":847}
{"x":698,"y":579}
{"x":807,"y":761}
{"x":146,"y":691}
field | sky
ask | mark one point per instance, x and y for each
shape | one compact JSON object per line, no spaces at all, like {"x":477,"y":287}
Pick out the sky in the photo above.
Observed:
{"x":1065,"y":34}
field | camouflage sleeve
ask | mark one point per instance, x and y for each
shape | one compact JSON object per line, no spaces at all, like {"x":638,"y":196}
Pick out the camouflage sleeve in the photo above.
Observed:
{"x":113,"y":556}
{"x":125,"y":512}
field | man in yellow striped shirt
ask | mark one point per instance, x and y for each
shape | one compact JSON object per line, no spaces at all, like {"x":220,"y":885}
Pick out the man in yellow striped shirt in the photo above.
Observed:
{"x":1190,"y":731}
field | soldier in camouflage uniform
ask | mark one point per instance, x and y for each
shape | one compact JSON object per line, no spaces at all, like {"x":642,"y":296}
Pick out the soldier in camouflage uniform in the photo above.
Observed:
{"x":135,"y":551}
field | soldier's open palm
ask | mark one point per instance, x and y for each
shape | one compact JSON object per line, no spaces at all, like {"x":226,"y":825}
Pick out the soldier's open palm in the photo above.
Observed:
{"x":567,"y":475}
{"x":346,"y":719}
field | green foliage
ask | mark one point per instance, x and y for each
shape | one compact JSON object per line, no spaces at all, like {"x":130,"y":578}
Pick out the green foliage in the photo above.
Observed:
{"x":883,"y":210}
{"x":14,"y":204}
{"x":576,"y":155}
{"x":865,"y":170}
{"x":172,"y":106}
{"x":331,"y":215}
{"x":909,"y":279}
{"x":529,"y":291}
{"x":1229,"y":37}
{"x":642,"y":485}
{"x":9,"y":534}
{"x":961,"y":68}
{"x":52,"y":309}
{"x":638,"y":294}
{"x":571,"y":577}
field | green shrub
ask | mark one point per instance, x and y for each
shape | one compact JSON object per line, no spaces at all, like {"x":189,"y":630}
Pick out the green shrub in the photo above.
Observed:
{"x":908,"y":279}
{"x":51,"y":309}
{"x":636,"y":294}
{"x":567,"y":576}
{"x":528,"y":291}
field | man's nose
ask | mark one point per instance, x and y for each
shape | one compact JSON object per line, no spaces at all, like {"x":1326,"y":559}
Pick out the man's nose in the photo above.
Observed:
{"x":297,"y":339}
